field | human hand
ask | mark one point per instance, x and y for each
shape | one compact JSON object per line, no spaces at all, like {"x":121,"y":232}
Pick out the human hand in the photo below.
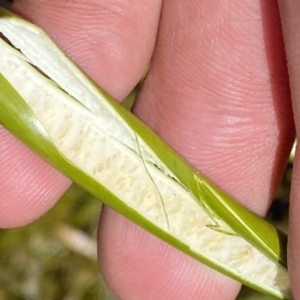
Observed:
{"x":217,"y":91}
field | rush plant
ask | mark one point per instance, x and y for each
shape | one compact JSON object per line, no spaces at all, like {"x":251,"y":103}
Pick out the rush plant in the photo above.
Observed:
{"x":54,"y":108}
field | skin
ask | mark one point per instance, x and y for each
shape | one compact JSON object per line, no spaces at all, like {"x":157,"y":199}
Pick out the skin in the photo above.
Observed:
{"x":218,"y":92}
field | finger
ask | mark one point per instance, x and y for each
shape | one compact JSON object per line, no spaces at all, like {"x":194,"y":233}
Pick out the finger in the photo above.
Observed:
{"x":291,"y":29}
{"x":28,"y":186}
{"x":138,"y":265}
{"x":218,"y":93}
{"x":113,"y":41}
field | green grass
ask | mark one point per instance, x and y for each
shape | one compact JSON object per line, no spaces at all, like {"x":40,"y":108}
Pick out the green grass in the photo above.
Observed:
{"x":49,"y":259}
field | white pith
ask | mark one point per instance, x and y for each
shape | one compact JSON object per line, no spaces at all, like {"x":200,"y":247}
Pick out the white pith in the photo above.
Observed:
{"x":95,"y":139}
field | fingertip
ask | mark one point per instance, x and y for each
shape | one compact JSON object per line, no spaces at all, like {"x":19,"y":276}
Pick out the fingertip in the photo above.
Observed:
{"x":137,"y":265}
{"x":111,"y":40}
{"x":29,"y":187}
